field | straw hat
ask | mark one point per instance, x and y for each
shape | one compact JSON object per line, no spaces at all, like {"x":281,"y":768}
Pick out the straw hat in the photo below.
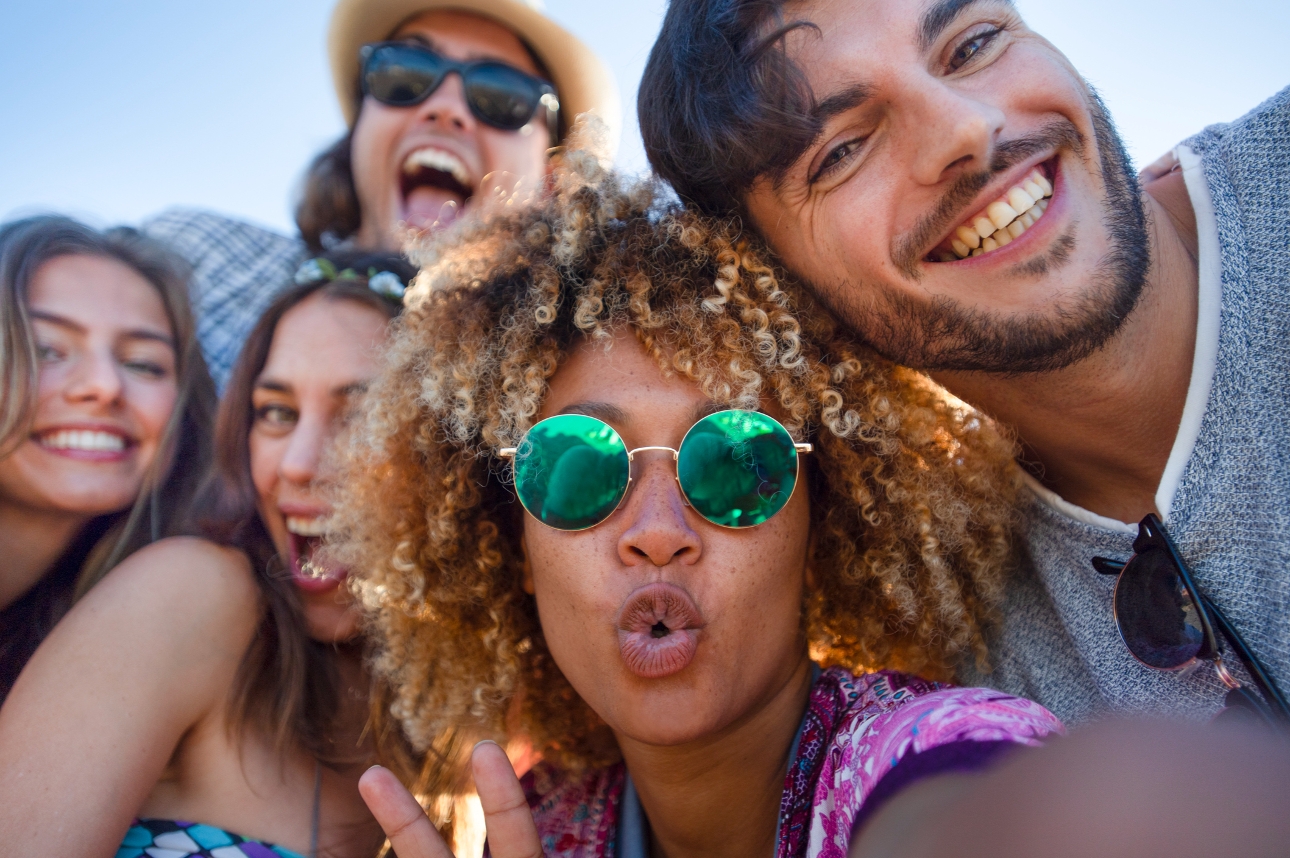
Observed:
{"x":582,"y":81}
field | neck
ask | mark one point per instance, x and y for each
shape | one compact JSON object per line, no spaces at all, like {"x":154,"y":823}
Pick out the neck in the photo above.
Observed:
{"x":1099,"y":432}
{"x":31,"y":541}
{"x":720,"y":796}
{"x":353,"y":710}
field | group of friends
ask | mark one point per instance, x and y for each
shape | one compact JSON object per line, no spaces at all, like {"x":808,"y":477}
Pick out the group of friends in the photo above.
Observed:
{"x":834,"y":490}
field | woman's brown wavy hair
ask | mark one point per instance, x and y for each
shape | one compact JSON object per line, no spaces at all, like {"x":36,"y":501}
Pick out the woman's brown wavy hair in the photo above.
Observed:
{"x":911,"y":491}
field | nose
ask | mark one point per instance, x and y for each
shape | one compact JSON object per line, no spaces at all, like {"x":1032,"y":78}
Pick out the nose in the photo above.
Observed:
{"x":955,"y":132}
{"x":304,"y":450}
{"x":96,"y":379}
{"x":657,"y":531}
{"x":446,"y":107}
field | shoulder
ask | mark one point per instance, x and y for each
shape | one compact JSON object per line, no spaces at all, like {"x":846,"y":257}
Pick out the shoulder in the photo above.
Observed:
{"x":896,"y":714}
{"x":150,"y":649}
{"x":181,"y":584}
{"x":892,"y":729}
{"x":576,"y":813}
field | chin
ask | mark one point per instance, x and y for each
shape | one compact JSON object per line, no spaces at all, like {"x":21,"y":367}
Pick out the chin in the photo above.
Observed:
{"x":95,"y":501}
{"x":331,"y":623}
{"x":666,"y":717}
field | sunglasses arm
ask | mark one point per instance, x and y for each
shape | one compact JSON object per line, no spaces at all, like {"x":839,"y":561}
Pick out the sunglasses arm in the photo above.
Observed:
{"x":1252,"y":665}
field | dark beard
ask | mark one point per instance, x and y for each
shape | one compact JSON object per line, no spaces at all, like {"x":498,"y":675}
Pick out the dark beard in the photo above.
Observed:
{"x":946,"y":335}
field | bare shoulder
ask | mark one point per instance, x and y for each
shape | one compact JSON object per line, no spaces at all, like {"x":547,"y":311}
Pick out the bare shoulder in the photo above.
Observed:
{"x":186,"y":567}
{"x":181,"y":585}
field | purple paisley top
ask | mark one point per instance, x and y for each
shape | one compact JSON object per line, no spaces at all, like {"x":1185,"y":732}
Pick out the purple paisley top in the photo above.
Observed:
{"x":856,"y":731}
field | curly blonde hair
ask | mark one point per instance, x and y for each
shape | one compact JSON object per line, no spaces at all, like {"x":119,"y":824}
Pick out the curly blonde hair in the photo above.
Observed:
{"x":911,"y":492}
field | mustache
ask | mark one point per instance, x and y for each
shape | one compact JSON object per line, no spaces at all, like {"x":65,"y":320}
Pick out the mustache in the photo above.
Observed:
{"x":1059,"y":134}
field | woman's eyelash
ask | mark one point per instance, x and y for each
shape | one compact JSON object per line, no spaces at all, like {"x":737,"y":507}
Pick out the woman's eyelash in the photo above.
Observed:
{"x":149,"y":368}
{"x":275,"y":413}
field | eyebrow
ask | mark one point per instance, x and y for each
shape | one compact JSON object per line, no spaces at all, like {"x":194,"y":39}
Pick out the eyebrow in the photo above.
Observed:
{"x":704,"y":409}
{"x":611,"y":414}
{"x":132,"y":334}
{"x":270,"y":384}
{"x":283,"y":387}
{"x":940,"y":16}
{"x":840,"y":102}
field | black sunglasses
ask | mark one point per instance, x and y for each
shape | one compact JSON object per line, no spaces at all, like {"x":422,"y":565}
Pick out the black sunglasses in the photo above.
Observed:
{"x":1168,"y":624}
{"x":403,"y":74}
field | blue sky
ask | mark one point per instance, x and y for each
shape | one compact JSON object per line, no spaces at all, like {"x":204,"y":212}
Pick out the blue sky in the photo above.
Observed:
{"x":114,"y":110}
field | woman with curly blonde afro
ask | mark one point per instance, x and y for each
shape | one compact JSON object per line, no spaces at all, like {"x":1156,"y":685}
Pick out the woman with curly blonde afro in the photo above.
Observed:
{"x":687,"y":631}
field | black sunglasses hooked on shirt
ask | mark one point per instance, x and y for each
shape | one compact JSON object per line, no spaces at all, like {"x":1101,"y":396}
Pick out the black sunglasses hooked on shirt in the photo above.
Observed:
{"x":403,"y":74}
{"x":1168,"y":624}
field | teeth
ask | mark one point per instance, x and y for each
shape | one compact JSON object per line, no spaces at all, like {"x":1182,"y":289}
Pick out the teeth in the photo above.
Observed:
{"x":83,"y":439}
{"x":1020,"y":200}
{"x":1003,"y":220}
{"x":1000,"y":214}
{"x":437,"y":159}
{"x":969,"y":237}
{"x":306,"y":526}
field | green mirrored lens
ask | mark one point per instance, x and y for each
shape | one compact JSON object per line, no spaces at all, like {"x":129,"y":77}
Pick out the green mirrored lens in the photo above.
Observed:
{"x":571,"y":471}
{"x":737,"y":468}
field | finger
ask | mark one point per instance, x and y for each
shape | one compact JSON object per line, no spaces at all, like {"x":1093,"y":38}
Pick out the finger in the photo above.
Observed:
{"x":401,"y":818}
{"x":511,"y":832}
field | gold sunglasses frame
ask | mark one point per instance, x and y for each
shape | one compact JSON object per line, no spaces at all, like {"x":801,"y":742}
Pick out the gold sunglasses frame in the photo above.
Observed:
{"x":800,"y":448}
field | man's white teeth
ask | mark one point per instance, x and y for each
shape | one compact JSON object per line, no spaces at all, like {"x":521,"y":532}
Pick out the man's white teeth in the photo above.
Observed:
{"x":1004,"y":219}
{"x":306,"y":526}
{"x":83,"y":439}
{"x":437,"y":159}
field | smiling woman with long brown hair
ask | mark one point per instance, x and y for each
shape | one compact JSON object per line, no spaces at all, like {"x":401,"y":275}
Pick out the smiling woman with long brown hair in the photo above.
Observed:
{"x":210,"y":694}
{"x":105,"y":417}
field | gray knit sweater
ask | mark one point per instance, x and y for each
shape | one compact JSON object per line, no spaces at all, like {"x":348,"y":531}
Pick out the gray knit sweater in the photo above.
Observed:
{"x":1230,"y":512}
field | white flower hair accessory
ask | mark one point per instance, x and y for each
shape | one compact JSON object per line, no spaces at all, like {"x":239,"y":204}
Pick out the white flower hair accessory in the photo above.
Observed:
{"x":387,"y":284}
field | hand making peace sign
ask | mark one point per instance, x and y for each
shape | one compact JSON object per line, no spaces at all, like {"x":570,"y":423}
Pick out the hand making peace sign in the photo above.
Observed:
{"x":511,"y":833}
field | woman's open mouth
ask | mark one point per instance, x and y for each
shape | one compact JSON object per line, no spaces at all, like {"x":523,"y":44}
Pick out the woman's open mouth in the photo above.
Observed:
{"x":435,"y":186}
{"x":308,"y":572}
{"x":658,"y":630}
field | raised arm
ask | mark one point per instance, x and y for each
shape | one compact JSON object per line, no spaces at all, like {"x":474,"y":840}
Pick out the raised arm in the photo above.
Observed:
{"x":101,"y":707}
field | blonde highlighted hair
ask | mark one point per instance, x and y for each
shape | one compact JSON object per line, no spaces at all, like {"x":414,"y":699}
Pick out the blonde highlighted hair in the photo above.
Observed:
{"x":911,"y":492}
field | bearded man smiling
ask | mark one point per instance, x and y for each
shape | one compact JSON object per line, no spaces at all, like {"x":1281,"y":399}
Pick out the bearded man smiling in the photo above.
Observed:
{"x":941,"y":177}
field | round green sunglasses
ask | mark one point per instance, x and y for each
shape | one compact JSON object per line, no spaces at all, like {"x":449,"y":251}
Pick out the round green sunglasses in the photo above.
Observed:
{"x":735,"y":468}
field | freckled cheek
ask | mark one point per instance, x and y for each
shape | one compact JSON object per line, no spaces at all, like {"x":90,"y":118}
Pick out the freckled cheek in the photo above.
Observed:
{"x":572,"y":582}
